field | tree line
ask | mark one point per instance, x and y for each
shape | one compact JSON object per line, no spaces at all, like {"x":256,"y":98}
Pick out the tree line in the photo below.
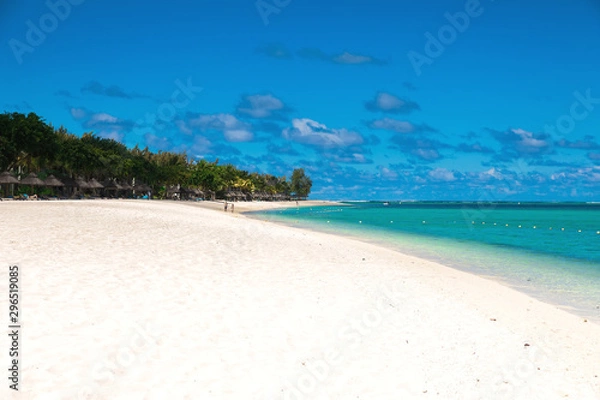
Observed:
{"x":29,"y":144}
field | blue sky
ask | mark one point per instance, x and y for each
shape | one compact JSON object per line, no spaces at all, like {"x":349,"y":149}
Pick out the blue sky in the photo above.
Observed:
{"x":437,"y":100}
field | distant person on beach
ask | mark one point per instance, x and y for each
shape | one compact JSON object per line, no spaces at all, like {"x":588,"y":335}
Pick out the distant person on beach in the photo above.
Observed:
{"x":232,"y":207}
{"x":225,"y":207}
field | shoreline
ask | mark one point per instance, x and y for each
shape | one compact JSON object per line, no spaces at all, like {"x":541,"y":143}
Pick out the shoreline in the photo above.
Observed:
{"x":223,"y":294}
{"x":590,"y":311}
{"x":246,"y":209}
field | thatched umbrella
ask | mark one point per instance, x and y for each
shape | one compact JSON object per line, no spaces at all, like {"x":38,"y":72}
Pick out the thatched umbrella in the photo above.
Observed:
{"x":186,"y":193}
{"x":141,"y":187}
{"x":32,"y":180}
{"x":94,"y":184}
{"x":68,"y":182}
{"x":173,"y":191}
{"x":125,"y":186}
{"x":81,"y":183}
{"x":6,"y":179}
{"x":52,"y":182}
{"x":111,"y":184}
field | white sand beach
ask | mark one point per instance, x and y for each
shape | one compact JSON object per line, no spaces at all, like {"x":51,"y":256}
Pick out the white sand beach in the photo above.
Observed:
{"x":168,"y":300}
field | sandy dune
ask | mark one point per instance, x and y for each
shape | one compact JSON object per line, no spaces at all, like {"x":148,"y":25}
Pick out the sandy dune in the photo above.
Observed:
{"x":157,"y":300}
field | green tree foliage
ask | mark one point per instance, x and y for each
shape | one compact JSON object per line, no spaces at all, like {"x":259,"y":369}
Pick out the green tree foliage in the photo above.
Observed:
{"x":301,"y":183}
{"x":30,"y":144}
{"x":23,"y":138}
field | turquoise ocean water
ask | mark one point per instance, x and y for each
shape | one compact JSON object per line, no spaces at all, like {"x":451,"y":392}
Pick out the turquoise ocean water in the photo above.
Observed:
{"x":548,"y":250}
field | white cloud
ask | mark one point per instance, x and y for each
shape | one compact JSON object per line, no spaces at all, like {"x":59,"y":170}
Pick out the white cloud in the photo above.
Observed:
{"x":233,"y":129}
{"x":387,"y":173}
{"x":183,"y":128}
{"x":114,"y":135}
{"x":238,"y":135}
{"x":442,"y":175}
{"x":393,"y":125}
{"x":348,"y":58}
{"x":260,"y":106}
{"x":313,"y":133}
{"x":78,"y":113}
{"x":590,"y":174}
{"x":521,"y":143}
{"x":528,"y":140}
{"x":391,"y":104}
{"x":353,"y":158}
{"x":201,"y":146}
{"x":387,"y":102}
{"x":102,"y":118}
{"x":158,"y":142}
{"x":426,"y":154}
{"x":491,"y":173}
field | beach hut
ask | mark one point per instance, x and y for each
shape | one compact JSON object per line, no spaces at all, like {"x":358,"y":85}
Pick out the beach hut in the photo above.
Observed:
{"x":174,"y":192}
{"x":69,"y":185}
{"x":7,"y":179}
{"x":32,"y":180}
{"x":241,"y":196}
{"x":94,"y":184}
{"x":81,"y":183}
{"x":141,"y":189}
{"x":198,"y":193}
{"x":68,"y":182}
{"x":211,"y":194}
{"x":256,"y":196}
{"x":126,"y":188}
{"x":187,"y":193}
{"x":52,"y":181}
{"x":235,"y":195}
{"x":111,"y":186}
